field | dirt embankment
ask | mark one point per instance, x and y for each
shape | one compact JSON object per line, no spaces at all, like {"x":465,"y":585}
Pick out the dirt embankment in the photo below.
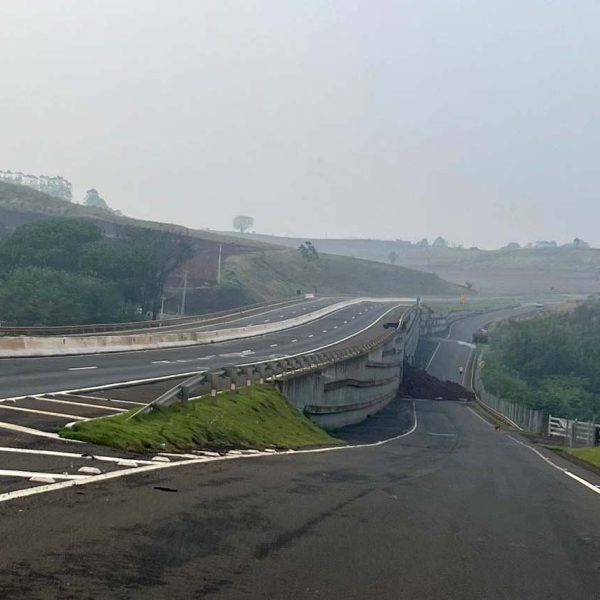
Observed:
{"x":420,"y":384}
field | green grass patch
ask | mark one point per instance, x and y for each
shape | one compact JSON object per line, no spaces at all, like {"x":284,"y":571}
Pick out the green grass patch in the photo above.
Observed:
{"x":254,"y":417}
{"x":589,"y":455}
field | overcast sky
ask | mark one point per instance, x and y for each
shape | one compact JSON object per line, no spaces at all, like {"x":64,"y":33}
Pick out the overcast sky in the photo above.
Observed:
{"x":477,"y":120}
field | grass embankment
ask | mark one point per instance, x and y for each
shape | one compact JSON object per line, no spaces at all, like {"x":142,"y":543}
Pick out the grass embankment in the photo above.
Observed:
{"x":588,"y":455}
{"x":279,"y":274}
{"x":255,"y":417}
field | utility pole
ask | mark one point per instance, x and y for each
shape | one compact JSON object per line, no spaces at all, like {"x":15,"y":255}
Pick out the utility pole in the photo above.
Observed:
{"x":219,"y":265}
{"x":162,"y":308}
{"x":184,"y":293}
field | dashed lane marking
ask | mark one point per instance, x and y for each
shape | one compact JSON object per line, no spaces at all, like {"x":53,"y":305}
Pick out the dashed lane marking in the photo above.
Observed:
{"x":80,"y":368}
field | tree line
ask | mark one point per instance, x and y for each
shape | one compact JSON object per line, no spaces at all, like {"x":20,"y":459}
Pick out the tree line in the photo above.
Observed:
{"x":551,"y":362}
{"x":64,"y":271}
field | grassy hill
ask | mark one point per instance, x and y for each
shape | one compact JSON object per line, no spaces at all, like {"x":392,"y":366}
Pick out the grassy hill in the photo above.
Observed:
{"x":254,"y":270}
{"x":527,"y":271}
{"x":281,"y":273}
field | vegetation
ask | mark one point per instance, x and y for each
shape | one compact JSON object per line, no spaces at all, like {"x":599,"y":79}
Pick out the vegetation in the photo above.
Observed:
{"x":308,"y":252}
{"x":62,"y":271}
{"x":280,"y":274}
{"x":243,"y":223}
{"x":255,"y":417}
{"x":551,"y":362}
{"x":589,"y":455}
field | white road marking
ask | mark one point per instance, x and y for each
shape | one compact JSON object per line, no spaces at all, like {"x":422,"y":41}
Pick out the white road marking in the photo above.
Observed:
{"x":80,"y":368}
{"x":105,"y":399}
{"x":432,"y":356}
{"x":30,"y":474}
{"x":43,"y":412}
{"x":75,"y":403}
{"x":324,"y":330}
{"x":442,"y":434}
{"x":160,"y":362}
{"x":311,"y":335}
{"x":30,"y":431}
{"x":273,"y":345}
{"x":335,"y":326}
{"x":294,"y":341}
{"x":125,"y":472}
{"x":267,"y":320}
{"x":345,"y":322}
{"x":580,"y":480}
{"x":480,"y":417}
{"x":57,"y":453}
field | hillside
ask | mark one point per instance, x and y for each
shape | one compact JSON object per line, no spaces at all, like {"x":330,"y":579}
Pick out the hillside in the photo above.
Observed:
{"x":253,"y":270}
{"x":527,"y":271}
{"x":281,"y":273}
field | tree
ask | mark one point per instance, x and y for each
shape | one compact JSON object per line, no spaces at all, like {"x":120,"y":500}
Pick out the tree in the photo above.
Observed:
{"x":39,"y":296}
{"x":440,"y":242}
{"x":93,"y":198}
{"x":393,"y":257}
{"x":468,"y":285}
{"x":53,"y":243}
{"x":308,"y":252}
{"x":243,"y":223}
{"x":154,"y":256}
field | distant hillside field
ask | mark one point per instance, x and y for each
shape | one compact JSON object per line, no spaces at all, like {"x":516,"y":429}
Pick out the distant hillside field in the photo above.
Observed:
{"x":511,"y":272}
{"x":281,"y":273}
{"x":253,"y":270}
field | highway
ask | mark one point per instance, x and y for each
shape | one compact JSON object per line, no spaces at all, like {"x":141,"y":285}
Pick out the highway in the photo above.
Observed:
{"x":446,"y":509}
{"x":21,"y":376}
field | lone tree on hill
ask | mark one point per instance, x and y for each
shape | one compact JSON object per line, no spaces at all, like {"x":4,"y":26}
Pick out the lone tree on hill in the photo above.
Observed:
{"x":393,"y":257}
{"x":93,"y":198}
{"x":243,"y":223}
{"x":308,"y":251}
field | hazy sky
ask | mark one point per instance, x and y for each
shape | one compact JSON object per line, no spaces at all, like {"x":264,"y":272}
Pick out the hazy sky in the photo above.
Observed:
{"x":477,"y":120}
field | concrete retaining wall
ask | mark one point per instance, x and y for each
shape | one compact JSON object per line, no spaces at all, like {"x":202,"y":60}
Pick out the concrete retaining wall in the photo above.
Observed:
{"x":348,"y":391}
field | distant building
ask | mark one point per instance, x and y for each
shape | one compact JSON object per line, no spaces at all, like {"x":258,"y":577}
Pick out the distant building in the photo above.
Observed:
{"x":56,"y":186}
{"x":546,"y":244}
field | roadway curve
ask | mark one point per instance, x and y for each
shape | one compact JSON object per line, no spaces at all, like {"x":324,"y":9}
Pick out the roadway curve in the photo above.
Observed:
{"x":453,"y":510}
{"x":22,"y":376}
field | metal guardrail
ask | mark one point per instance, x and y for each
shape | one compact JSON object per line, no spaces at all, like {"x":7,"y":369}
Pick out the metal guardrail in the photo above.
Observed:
{"x":60,"y":330}
{"x":230,"y":378}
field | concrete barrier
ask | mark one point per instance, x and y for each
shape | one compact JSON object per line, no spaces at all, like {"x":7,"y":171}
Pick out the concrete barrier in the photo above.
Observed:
{"x":21,"y":347}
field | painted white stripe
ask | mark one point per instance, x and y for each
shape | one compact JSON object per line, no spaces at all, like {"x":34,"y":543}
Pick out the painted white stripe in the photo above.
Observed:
{"x":114,"y":459}
{"x":123,"y":473}
{"x":30,"y":431}
{"x":80,"y":368}
{"x":580,"y":480}
{"x":273,"y":346}
{"x":432,"y":356}
{"x":104,"y":399}
{"x":76,"y":403}
{"x":311,"y":335}
{"x":42,"y":412}
{"x":480,"y":417}
{"x":442,"y":434}
{"x":29,"y":474}
{"x":294,"y":341}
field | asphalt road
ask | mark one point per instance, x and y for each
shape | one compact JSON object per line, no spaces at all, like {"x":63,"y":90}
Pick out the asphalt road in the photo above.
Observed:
{"x":453,"y":510}
{"x":53,"y":374}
